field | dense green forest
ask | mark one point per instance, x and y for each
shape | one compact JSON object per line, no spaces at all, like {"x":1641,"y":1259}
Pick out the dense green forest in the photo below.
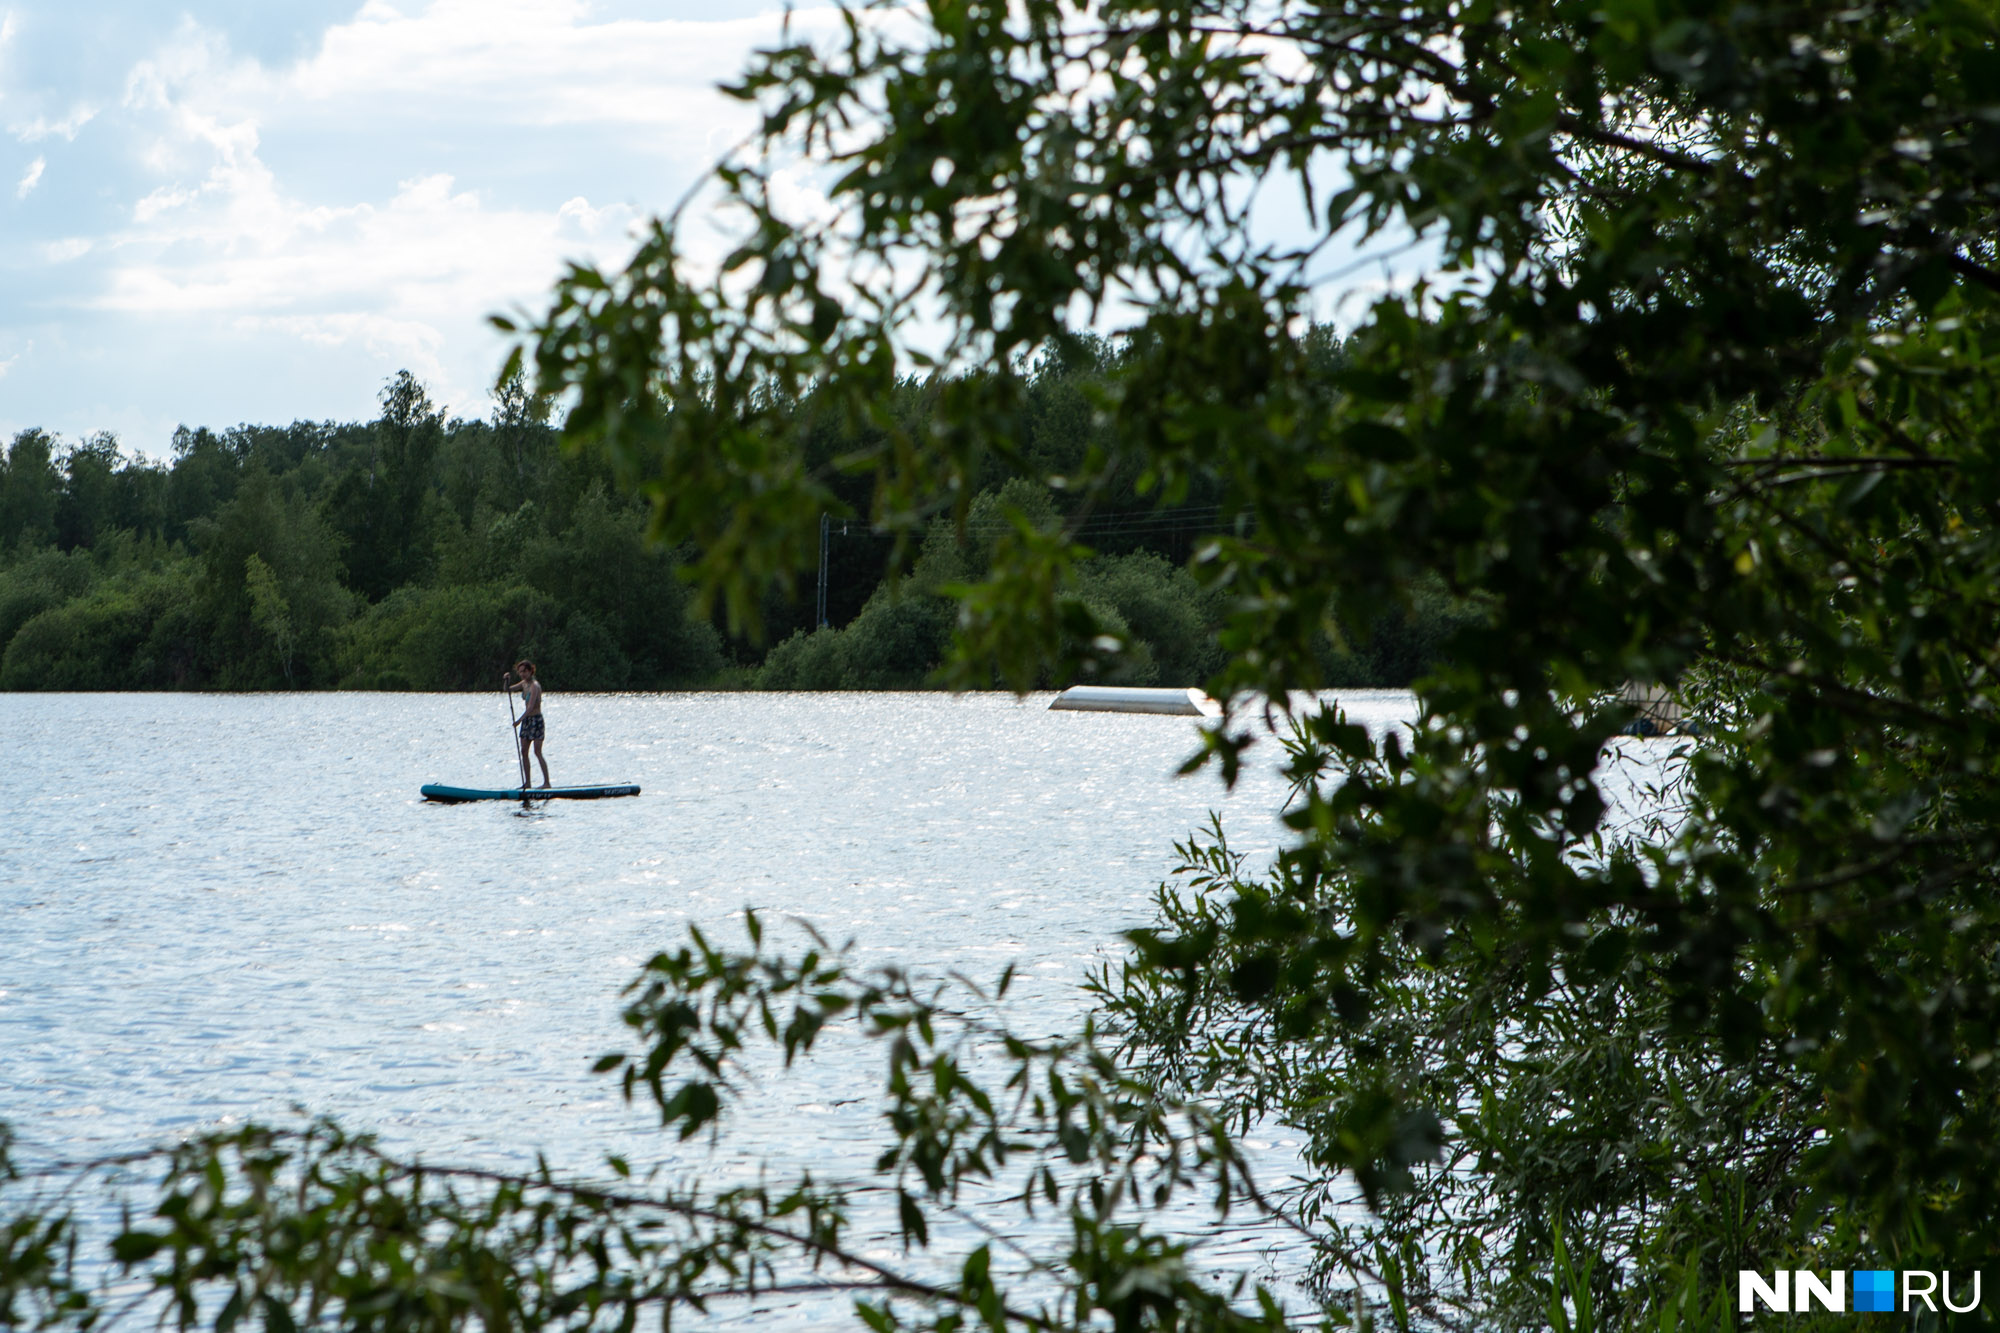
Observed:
{"x":425,"y":551}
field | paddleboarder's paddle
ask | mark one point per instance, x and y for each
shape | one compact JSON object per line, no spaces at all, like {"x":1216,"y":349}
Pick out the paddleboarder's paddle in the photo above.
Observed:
{"x":514,"y":730}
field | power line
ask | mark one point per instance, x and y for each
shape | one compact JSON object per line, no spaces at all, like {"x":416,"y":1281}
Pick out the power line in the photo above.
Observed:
{"x":1143,"y":524}
{"x":1146,"y":519}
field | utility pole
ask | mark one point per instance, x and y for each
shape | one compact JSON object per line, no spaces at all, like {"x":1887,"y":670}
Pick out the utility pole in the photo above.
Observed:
{"x":824,"y":525}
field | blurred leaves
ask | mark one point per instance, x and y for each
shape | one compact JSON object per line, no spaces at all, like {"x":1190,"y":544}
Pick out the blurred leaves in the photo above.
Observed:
{"x":1699,"y":400}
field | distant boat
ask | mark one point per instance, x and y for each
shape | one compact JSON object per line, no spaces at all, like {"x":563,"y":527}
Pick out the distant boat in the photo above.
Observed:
{"x":1656,"y":711}
{"x":437,"y":791}
{"x":1131,"y":699}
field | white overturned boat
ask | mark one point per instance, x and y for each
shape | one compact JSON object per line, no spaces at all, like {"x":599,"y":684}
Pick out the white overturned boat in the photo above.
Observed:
{"x":1132,"y":699}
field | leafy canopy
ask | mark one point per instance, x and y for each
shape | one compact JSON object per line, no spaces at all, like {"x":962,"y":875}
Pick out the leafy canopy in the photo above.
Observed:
{"x":1699,"y":395}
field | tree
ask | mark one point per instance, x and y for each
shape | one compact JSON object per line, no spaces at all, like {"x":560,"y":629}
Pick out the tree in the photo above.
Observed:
{"x":28,"y":499}
{"x":87,"y":505}
{"x":204,"y":477}
{"x":521,"y":420}
{"x":1696,"y":396}
{"x":268,"y":589}
{"x":384,"y":515}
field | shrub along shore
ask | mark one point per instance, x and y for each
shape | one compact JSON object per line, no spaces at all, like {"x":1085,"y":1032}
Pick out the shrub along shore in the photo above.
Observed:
{"x":423,"y":551}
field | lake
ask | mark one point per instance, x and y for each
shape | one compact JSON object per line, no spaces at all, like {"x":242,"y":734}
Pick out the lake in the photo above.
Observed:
{"x":214,"y":908}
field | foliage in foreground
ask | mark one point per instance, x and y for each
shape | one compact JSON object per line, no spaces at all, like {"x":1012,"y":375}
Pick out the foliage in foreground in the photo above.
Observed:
{"x":1702,"y":396}
{"x":1698,"y":395}
{"x":313,"y":1226}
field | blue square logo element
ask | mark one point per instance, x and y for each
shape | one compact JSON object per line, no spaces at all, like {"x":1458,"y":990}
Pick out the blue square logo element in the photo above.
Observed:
{"x":1874,"y":1290}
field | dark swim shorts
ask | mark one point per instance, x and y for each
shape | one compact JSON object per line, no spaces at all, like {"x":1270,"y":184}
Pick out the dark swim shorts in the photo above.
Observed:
{"x":532,"y":727}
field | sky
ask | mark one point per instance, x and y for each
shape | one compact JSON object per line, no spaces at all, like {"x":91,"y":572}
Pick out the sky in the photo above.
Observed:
{"x":243,"y":211}
{"x":237,"y":211}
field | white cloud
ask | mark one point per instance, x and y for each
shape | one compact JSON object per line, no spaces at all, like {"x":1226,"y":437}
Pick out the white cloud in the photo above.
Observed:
{"x":31,"y":178}
{"x":240,"y":244}
{"x":409,"y":344}
{"x":405,"y":280}
{"x":493,"y":63}
{"x":219,"y":234}
{"x":159,"y":201}
{"x":364,"y":207}
{"x":796,"y":196}
{"x":540,"y":62}
{"x":67,"y":127}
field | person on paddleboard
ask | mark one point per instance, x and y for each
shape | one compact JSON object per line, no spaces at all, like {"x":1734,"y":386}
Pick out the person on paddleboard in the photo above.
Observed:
{"x":531,"y":725}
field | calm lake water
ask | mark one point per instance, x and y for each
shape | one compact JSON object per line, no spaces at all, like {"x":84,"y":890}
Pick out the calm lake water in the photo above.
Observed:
{"x":214,"y":908}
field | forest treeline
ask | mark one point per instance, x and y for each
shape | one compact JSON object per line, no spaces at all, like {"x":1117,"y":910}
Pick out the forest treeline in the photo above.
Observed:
{"x":423,"y":551}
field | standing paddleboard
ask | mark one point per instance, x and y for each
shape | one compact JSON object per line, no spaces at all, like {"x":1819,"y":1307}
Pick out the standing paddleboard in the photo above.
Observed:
{"x":437,"y":791}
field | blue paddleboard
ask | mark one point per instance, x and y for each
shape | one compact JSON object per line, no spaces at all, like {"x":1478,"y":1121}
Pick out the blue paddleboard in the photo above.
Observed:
{"x":438,"y":791}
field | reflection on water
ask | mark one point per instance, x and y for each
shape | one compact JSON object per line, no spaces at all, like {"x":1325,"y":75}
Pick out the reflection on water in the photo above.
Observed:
{"x":214,"y":908}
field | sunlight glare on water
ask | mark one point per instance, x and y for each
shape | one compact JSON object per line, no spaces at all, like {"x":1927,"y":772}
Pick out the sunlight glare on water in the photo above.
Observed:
{"x":217,"y":906}
{"x":214,"y":908}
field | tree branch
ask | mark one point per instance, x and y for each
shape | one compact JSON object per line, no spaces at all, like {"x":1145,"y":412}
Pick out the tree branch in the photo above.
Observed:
{"x":1965,"y":268}
{"x":1604,"y":138}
